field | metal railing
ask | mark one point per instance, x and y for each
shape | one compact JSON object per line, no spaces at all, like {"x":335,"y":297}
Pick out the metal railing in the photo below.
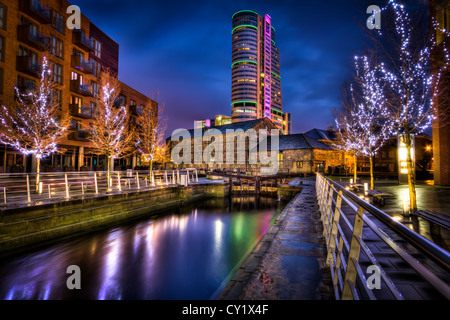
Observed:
{"x":348,"y":253}
{"x":21,"y":188}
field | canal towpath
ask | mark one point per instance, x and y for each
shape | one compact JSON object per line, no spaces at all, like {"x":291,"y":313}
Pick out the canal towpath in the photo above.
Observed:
{"x":288,"y":263}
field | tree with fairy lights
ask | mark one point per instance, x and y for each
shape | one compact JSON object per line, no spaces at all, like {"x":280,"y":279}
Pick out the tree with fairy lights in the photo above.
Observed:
{"x":35,"y":124}
{"x":150,"y":133}
{"x":404,"y":49}
{"x":370,"y":111}
{"x":111,"y":135}
{"x":349,"y":131}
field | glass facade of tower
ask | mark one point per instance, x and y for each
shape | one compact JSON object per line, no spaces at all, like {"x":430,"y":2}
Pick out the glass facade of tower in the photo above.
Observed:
{"x":255,"y":70}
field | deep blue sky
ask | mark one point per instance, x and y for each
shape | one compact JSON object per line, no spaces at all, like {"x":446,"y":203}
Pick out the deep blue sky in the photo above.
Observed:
{"x":183,"y":49}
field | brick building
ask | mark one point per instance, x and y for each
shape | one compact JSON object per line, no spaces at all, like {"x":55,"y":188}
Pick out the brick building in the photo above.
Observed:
{"x":30,"y":29}
{"x":233,"y":137}
{"x":440,"y":9}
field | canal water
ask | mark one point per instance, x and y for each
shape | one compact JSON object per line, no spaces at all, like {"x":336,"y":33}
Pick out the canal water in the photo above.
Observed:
{"x":189,"y":254}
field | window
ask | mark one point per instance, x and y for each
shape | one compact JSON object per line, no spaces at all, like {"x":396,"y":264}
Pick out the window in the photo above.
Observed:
{"x":56,"y":47}
{"x":2,"y":16}
{"x":75,"y":124}
{"x":95,"y":89}
{"x":76,"y":76}
{"x":97,"y":48}
{"x":94,"y":109}
{"x":2,"y":49}
{"x":57,"y":73}
{"x":58,"y":22}
{"x":25,"y":84}
{"x":57,"y":95}
{"x":299,"y":164}
{"x":97,"y":68}
{"x":76,"y":101}
{"x":132,"y":102}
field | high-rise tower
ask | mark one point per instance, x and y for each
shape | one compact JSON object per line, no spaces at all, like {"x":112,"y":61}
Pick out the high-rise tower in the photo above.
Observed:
{"x":255,"y":68}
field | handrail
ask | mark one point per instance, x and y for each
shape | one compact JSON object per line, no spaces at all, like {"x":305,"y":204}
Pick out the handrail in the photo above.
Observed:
{"x":18,"y":189}
{"x":331,"y":214}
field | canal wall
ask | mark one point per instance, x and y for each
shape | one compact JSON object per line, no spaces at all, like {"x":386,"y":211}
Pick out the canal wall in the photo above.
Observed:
{"x":22,"y":228}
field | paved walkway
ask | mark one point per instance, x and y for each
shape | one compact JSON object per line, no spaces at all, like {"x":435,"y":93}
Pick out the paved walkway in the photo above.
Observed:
{"x":429,"y":197}
{"x":289,"y":261}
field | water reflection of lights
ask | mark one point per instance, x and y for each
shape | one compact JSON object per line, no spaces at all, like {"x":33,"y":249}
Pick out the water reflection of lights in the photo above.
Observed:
{"x":218,"y":229}
{"x":109,"y":287}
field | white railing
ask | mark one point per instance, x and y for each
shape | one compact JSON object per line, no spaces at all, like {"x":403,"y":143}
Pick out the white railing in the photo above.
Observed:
{"x":28,"y":188}
{"x":343,"y":216}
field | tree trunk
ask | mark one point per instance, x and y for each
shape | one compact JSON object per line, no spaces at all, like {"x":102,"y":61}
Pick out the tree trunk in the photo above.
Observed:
{"x":372,"y":184}
{"x":38,"y":169}
{"x":409,"y":166}
{"x":356,"y":168}
{"x":108,"y":169}
{"x":151,"y":169}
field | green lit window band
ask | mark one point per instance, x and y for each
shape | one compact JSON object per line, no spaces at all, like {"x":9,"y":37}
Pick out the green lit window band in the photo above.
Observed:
{"x":279,"y":77}
{"x":243,"y":11}
{"x":233,"y":103}
{"x":277,"y":111}
{"x":250,"y":61}
{"x":273,"y":42}
{"x":244,"y":26}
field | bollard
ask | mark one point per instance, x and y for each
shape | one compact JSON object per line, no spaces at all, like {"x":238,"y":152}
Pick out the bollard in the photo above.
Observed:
{"x":165,"y":175}
{"x":173,"y":177}
{"x":196,"y":175}
{"x":118,"y":181}
{"x":4,"y":195}
{"x":178,"y":176}
{"x":82,"y":188}
{"x":49,"y":192}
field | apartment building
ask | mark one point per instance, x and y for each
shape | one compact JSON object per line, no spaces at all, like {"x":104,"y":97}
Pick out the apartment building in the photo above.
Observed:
{"x":30,"y":29}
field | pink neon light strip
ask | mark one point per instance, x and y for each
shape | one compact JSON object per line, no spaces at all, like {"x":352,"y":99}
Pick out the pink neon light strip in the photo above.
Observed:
{"x":267,"y":66}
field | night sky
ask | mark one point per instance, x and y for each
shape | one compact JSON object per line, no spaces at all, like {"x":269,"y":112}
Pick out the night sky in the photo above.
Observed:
{"x":183,"y":50}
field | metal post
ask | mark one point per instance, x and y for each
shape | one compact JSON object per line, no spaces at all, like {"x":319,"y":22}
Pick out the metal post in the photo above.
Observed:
{"x":173,"y":177}
{"x":95,"y":182}
{"x":4,"y":195}
{"x":353,"y":257}
{"x":178,"y":176}
{"x":28,"y":189}
{"x":82,"y":187}
{"x":165,"y":176}
{"x":196,"y":175}
{"x":49,"y":192}
{"x":118,"y":181}
{"x":67,"y":186}
{"x":137,"y":180}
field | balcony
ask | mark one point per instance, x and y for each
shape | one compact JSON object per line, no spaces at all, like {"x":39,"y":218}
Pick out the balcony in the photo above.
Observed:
{"x":81,"y":64}
{"x":37,"y":40}
{"x":26,"y":65}
{"x":80,"y":135}
{"x":80,"y":39}
{"x":81,"y":88}
{"x":36,"y":10}
{"x":84,"y":112}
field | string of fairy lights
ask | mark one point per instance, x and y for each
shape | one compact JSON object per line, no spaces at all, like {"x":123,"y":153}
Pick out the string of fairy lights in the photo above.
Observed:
{"x":394,"y":98}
